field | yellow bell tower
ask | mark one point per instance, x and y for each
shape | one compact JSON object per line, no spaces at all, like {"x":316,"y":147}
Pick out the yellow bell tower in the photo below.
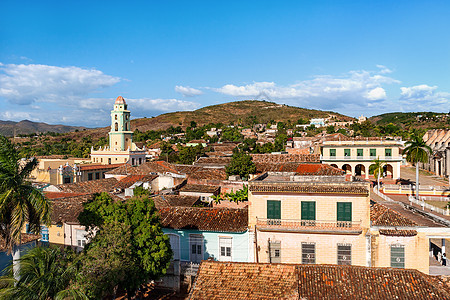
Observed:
{"x":120,"y":135}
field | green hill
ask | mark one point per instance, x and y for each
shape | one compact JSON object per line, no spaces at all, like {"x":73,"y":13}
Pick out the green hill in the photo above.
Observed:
{"x":423,"y":120}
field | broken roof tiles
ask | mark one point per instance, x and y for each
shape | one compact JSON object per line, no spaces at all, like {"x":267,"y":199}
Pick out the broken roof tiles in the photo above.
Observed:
{"x":299,"y":168}
{"x":205,"y":219}
{"x":282,"y":158}
{"x":380,"y":215}
{"x":226,"y":280}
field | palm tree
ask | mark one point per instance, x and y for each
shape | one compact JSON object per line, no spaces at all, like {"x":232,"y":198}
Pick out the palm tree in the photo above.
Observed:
{"x":377,"y":169}
{"x":45,"y":273}
{"x":417,"y":151}
{"x":20,"y":202}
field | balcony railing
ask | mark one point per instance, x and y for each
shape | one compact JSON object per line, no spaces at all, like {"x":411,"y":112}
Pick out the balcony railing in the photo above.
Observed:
{"x":345,"y":227}
{"x":360,"y":158}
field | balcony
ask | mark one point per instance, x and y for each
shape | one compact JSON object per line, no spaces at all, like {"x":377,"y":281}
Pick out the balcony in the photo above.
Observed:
{"x":360,"y":158}
{"x":309,"y":226}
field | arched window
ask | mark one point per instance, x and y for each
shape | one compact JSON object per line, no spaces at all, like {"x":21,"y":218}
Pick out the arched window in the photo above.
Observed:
{"x":115,"y":117}
{"x":116,"y":126}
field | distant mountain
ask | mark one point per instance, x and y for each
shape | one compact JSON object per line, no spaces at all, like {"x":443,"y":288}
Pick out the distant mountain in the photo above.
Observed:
{"x":10,"y":128}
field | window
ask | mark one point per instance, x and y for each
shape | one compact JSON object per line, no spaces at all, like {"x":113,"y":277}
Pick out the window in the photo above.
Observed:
{"x":115,"y":117}
{"x":225,"y":244}
{"x":97,"y":175}
{"x":273,"y":209}
{"x":308,"y":253}
{"x":116,"y":126}
{"x":344,"y":213}
{"x":308,"y":213}
{"x":346,"y":152}
{"x":332,"y":152}
{"x":81,"y":238}
{"x":387,"y":152}
{"x":373,"y":152}
{"x":397,"y":256}
{"x":175,"y":245}
{"x":90,"y":176}
{"x":344,"y":254}
{"x":274,"y":251}
{"x":360,"y":152}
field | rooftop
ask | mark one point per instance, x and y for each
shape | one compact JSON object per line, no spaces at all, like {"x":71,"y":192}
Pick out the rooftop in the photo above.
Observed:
{"x":199,"y":188}
{"x":282,"y":158}
{"x":175,"y":200}
{"x":205,"y":219}
{"x":132,"y":179}
{"x":120,"y":100}
{"x":94,"y":186}
{"x":89,"y":167}
{"x":24,"y":239}
{"x":299,"y":168}
{"x":227,"y":280}
{"x":147,"y":168}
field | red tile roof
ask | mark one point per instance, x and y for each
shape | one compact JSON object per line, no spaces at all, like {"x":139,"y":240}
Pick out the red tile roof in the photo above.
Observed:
{"x":176,"y":200}
{"x":89,"y":167}
{"x":93,"y":186}
{"x":380,"y":215}
{"x":132,"y":179}
{"x":227,"y":280}
{"x":282,"y":158}
{"x":213,"y":161}
{"x":199,"y":188}
{"x":146,"y":168}
{"x":205,"y":219}
{"x":303,"y":187}
{"x":209,"y":174}
{"x":54,"y":195}
{"x":299,"y":168}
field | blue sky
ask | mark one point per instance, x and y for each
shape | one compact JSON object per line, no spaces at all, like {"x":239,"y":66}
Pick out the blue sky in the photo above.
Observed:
{"x":64,"y":62}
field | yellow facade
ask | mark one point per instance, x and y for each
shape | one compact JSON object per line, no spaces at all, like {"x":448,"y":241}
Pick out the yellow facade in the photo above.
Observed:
{"x":56,"y":234}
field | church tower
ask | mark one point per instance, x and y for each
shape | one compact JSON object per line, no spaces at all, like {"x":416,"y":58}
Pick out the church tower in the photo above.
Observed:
{"x":120,"y":135}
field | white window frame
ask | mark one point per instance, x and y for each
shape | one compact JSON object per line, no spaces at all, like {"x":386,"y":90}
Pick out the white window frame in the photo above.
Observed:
{"x":178,"y":241}
{"x":192,"y":238}
{"x":226,"y":257}
{"x":337,"y":252}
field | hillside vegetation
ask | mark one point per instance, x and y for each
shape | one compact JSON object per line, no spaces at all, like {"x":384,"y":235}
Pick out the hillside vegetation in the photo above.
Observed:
{"x":418,"y":120}
{"x":10,"y":128}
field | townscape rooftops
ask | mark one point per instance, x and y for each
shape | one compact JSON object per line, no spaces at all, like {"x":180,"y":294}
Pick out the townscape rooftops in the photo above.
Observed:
{"x":200,"y":188}
{"x":67,"y":209}
{"x":94,"y":186}
{"x":146,"y":168}
{"x":132,"y":179}
{"x":205,"y":219}
{"x":380,"y":215}
{"x":89,"y":167}
{"x":175,"y":200}
{"x":213,"y":161}
{"x":299,"y":168}
{"x":282,"y":158}
{"x":209,"y":174}
{"x":227,"y":280}
{"x":313,"y":188}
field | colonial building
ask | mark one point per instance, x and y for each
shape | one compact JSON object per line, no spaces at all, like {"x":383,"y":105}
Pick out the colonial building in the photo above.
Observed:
{"x":121,"y":147}
{"x":439,"y":159}
{"x":355,"y":156}
{"x":309,"y":219}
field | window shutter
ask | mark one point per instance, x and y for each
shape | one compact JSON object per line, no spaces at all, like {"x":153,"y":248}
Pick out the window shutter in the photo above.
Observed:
{"x":344,"y":211}
{"x":360,"y":152}
{"x":308,"y":210}
{"x":273,"y":209}
{"x":332,"y":152}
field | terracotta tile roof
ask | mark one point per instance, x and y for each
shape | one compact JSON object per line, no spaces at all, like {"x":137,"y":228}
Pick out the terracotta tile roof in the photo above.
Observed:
{"x":187,"y":169}
{"x":281,"y":158}
{"x":205,"y":219}
{"x":317,"y":188}
{"x":210,"y":174}
{"x":24,"y":238}
{"x":88,"y":167}
{"x":132,"y":179}
{"x":380,"y":215}
{"x":199,"y":188}
{"x":66,"y":210}
{"x":398,"y":232}
{"x":299,"y":168}
{"x":93,"y":186}
{"x":227,"y":280}
{"x":175,"y":200}
{"x":54,"y":195}
{"x":213,"y":161}
{"x":145,"y":169}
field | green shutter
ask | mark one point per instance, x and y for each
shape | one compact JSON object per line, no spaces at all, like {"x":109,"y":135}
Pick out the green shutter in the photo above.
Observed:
{"x":344,"y":211}
{"x":397,"y":256}
{"x":387,"y":152}
{"x":332,"y":152}
{"x":373,"y":152}
{"x":308,"y":210}
{"x":346,"y":152}
{"x":360,"y":152}
{"x":273,"y":209}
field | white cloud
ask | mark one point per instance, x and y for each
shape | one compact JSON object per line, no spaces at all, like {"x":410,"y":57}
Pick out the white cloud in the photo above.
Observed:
{"x":15,"y":115}
{"x":187,"y":91}
{"x":384,"y":69}
{"x":425,"y":97}
{"x":25,"y":84}
{"x":357,"y":88}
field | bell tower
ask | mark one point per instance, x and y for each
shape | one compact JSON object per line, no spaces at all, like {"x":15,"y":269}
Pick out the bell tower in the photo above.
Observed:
{"x":120,"y":135}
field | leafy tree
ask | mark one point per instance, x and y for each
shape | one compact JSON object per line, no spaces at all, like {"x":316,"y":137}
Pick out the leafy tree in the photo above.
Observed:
{"x":20,"y":202}
{"x":187,"y":155}
{"x":330,"y":129}
{"x":107,"y":262}
{"x":241,"y":164}
{"x":280,"y":142}
{"x":149,"y":247}
{"x":45,"y":273}
{"x":417,"y":151}
{"x":231,"y":134}
{"x":377,"y":169}
{"x":239,"y":195}
{"x":193,"y":124}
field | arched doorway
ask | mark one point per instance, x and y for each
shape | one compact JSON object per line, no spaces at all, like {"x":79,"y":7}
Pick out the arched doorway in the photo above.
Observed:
{"x":360,"y":170}
{"x":334,"y":166}
{"x":347,"y":168}
{"x":371,"y":169}
{"x":388,"y":171}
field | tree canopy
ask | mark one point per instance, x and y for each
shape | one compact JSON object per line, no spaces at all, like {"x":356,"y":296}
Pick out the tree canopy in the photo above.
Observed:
{"x":241,"y":164}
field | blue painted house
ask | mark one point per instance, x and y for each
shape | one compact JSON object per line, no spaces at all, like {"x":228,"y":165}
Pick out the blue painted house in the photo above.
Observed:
{"x":200,"y":233}
{"x":28,"y":241}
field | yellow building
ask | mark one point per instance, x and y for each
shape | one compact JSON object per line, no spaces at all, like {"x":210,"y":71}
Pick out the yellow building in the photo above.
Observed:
{"x":356,"y":156}
{"x":56,"y":170}
{"x":121,"y":148}
{"x":309,"y":219}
